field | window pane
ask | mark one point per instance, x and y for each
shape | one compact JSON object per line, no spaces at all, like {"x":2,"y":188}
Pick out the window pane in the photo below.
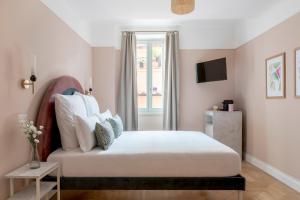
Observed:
{"x":141,"y":54}
{"x":157,"y":74}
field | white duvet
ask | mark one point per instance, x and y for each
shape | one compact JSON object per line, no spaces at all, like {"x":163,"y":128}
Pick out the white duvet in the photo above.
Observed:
{"x":152,"y":154}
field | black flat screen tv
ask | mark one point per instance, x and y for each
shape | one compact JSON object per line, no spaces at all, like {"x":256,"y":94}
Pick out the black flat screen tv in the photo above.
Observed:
{"x":214,"y":70}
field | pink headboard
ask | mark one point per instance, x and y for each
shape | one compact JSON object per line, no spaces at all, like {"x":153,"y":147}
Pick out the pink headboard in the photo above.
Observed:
{"x":50,"y":139}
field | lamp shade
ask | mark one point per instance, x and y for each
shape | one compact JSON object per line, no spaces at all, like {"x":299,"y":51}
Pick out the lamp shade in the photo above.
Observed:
{"x":181,"y":7}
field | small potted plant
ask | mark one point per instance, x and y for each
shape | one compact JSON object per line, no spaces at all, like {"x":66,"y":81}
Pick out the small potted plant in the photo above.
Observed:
{"x":33,"y":134}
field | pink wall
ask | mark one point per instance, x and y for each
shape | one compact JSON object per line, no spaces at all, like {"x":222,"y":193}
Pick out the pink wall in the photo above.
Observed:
{"x":196,"y":98}
{"x":105,"y":77}
{"x":29,"y":27}
{"x":271,"y":126}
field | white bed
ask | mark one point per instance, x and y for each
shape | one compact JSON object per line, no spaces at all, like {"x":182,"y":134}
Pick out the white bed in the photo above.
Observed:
{"x":153,"y":154}
{"x":138,"y":160}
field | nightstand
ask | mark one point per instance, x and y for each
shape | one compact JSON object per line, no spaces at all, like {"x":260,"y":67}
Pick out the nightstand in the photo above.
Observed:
{"x":38,"y":189}
{"x":226,"y":127}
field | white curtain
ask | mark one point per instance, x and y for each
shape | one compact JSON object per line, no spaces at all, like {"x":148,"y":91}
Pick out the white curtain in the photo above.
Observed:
{"x":171,"y":82}
{"x":127,"y":102}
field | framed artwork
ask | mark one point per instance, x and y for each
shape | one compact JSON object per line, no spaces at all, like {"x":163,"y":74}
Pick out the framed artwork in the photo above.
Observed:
{"x":297,"y":73}
{"x":275,"y":76}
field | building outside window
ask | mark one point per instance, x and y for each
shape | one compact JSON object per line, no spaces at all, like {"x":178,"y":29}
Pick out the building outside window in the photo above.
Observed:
{"x":150,"y":72}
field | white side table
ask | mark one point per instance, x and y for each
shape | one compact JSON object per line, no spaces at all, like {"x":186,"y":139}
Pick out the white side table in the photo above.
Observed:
{"x":39,"y":189}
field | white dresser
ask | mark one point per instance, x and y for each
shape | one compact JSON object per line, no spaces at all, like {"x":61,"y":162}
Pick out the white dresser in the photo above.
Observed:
{"x":226,"y":127}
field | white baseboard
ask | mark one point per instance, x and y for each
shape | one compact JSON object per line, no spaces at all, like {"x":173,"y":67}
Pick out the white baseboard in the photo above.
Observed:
{"x":276,"y":173}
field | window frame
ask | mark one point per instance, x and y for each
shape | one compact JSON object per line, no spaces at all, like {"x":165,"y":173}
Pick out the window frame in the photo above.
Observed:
{"x":149,"y":43}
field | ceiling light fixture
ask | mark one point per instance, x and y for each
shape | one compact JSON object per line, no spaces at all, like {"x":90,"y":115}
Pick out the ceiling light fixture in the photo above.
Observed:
{"x":181,"y":7}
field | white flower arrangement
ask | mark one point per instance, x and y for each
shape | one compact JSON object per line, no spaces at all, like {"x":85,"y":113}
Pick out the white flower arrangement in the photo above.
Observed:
{"x":31,"y":132}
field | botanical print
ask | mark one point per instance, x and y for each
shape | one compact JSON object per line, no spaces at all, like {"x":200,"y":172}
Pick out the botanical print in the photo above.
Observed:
{"x":275,"y":76}
{"x":298,"y":73}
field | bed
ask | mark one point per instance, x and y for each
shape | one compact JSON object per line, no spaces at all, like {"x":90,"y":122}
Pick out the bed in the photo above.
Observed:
{"x":171,"y":160}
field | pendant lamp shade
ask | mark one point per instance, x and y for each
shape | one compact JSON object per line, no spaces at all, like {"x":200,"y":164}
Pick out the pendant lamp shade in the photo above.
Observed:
{"x":181,"y":7}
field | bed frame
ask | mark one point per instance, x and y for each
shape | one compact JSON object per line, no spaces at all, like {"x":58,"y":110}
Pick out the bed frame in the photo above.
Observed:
{"x":50,"y":141}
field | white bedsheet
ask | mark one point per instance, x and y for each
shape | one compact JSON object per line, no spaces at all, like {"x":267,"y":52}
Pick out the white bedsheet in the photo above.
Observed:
{"x":152,"y":154}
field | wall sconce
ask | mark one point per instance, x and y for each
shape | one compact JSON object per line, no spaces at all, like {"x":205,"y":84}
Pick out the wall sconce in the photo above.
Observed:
{"x":27,"y":83}
{"x":90,"y":90}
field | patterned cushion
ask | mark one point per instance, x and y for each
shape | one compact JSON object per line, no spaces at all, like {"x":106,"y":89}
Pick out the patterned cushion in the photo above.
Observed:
{"x":104,"y":134}
{"x":117,"y":125}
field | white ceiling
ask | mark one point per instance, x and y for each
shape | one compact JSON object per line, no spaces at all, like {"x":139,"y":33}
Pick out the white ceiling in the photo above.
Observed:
{"x":127,"y":10}
{"x":86,"y":17}
{"x":130,"y":10}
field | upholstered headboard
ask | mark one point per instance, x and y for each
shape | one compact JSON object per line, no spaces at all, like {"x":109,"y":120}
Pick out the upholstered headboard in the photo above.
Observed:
{"x":50,"y":139}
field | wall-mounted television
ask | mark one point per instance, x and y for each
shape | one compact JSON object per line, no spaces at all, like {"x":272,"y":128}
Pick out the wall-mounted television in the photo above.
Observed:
{"x":214,"y":70}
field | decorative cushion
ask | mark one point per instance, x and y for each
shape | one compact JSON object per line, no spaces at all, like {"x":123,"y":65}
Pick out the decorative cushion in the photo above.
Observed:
{"x":66,"y":108}
{"x":104,"y":134}
{"x":91,"y":104}
{"x":85,"y":127}
{"x":117,"y":125}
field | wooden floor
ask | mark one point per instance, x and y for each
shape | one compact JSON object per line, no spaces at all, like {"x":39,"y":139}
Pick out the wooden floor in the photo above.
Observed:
{"x":259,"y":186}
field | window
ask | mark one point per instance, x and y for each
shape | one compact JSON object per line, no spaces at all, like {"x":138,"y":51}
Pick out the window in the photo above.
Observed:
{"x":150,"y":69}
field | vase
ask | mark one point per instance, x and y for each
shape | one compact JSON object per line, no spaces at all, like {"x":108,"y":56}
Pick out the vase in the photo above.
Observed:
{"x":35,"y":161}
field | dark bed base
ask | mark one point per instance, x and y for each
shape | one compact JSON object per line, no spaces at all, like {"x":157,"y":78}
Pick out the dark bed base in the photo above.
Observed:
{"x":152,"y":183}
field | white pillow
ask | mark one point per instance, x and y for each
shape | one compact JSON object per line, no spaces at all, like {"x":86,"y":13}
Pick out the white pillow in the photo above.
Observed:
{"x":85,"y":127}
{"x":66,"y":107}
{"x":104,"y":116}
{"x":91,"y":104}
